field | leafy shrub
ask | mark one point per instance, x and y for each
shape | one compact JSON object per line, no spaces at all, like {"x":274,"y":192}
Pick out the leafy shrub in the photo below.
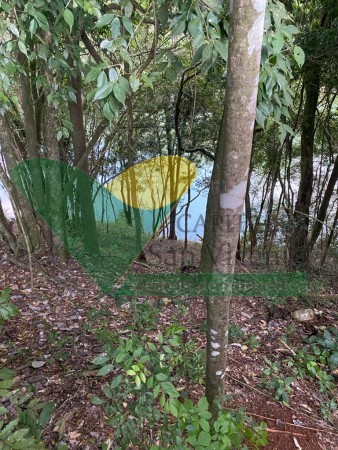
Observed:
{"x":144,"y":395}
{"x":7,"y":309}
{"x":20,"y":428}
{"x":23,"y":431}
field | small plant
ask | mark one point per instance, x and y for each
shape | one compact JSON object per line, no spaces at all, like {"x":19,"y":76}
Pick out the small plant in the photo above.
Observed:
{"x":144,"y":390}
{"x":7,"y":309}
{"x":23,"y":430}
{"x":195,"y":430}
{"x":275,"y":381}
{"x":327,"y":347}
{"x":144,"y":314}
{"x":236,"y":334}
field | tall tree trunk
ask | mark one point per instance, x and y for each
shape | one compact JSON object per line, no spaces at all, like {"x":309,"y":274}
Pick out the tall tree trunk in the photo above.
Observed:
{"x":21,"y":206}
{"x":56,"y":203}
{"x":6,"y":231}
{"x":170,"y":148}
{"x":84,"y":187}
{"x":32,"y":142}
{"x":318,"y":225}
{"x":300,"y":248}
{"x":229,"y":179}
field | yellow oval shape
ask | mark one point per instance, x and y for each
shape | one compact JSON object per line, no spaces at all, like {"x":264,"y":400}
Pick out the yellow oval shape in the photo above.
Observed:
{"x":154,"y":183}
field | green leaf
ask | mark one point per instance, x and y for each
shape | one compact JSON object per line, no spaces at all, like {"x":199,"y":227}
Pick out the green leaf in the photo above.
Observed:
{"x":102,"y":79}
{"x":128,"y":25}
{"x":203,"y":404}
{"x":137,"y":381}
{"x":96,"y":400}
{"x":46,"y":414}
{"x":99,"y":360}
{"x":116,"y":382}
{"x":6,"y":374}
{"x":173,"y":409}
{"x":170,"y":74}
{"x":333,"y":361}
{"x":299,"y":55}
{"x":195,"y":27}
{"x":178,"y":24}
{"x":204,"y":439}
{"x":278,"y":43}
{"x":147,"y":81}
{"x":163,"y":14}
{"x":104,"y":20}
{"x":115,"y":28}
{"x":131,"y":372}
{"x":119,"y":92}
{"x":69,"y":18}
{"x":161,"y":376}
{"x":105,"y":370}
{"x":113,"y":76}
{"x":33,"y":27}
{"x":128,"y":9}
{"x":143,"y":377}
{"x":204,"y":425}
{"x":14,"y":29}
{"x":102,"y":93}
{"x":207,"y":53}
{"x":22,"y":47}
{"x":92,"y":74}
{"x":134,"y":84}
{"x":222,"y":49}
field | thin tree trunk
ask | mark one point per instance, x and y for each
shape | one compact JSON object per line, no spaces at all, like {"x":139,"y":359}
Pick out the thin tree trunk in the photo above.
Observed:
{"x":229,"y":180}
{"x":300,"y":250}
{"x":6,"y":231}
{"x":84,"y":188}
{"x":318,"y":225}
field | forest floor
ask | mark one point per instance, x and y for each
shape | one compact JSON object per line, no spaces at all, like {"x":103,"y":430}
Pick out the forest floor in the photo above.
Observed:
{"x":52,"y":342}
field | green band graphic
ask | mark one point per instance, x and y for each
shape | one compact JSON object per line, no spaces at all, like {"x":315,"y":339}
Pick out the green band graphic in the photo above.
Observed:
{"x":106,"y":227}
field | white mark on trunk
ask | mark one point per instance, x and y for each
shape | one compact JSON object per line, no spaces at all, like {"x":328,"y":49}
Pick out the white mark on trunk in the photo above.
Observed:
{"x":252,"y":104}
{"x":219,"y":373}
{"x":226,"y":334}
{"x":259,"y":5}
{"x":223,"y":375}
{"x":255,"y":35}
{"x":215,"y":345}
{"x":213,"y":331}
{"x":234,"y":198}
{"x":215,"y":353}
{"x":212,"y":338}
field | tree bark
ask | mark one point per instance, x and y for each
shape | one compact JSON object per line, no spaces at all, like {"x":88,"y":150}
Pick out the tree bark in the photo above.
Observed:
{"x":300,"y":248}
{"x":229,"y":180}
{"x":318,"y":225}
{"x":84,"y":188}
{"x":20,"y":204}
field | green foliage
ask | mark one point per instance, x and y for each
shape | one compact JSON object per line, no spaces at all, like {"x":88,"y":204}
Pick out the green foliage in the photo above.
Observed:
{"x":12,"y":437}
{"x":314,"y":361}
{"x":275,"y":381}
{"x":275,"y":96}
{"x":146,"y":384}
{"x":326,"y":346}
{"x":229,"y":431}
{"x":24,"y":430}
{"x":235,"y":333}
{"x":7,"y":309}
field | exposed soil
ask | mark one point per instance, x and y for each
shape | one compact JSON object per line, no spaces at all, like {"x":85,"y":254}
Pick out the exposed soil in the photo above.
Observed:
{"x":55,"y":327}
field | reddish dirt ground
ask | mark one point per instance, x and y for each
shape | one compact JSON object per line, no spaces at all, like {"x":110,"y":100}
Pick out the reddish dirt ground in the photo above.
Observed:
{"x":65,"y":303}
